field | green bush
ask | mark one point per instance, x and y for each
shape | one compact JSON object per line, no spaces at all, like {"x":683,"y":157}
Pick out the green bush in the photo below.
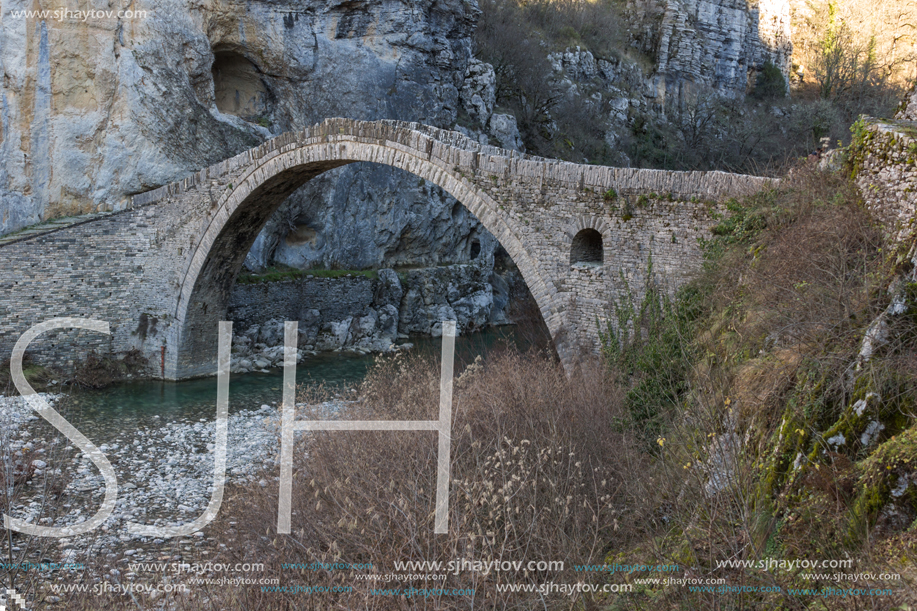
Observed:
{"x":648,"y":346}
{"x":770,"y":84}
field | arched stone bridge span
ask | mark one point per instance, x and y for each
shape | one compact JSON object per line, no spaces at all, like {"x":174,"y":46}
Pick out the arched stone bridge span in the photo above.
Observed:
{"x":161,"y":271}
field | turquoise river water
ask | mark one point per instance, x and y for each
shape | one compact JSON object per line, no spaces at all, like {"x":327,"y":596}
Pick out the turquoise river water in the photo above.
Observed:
{"x":103,"y":414}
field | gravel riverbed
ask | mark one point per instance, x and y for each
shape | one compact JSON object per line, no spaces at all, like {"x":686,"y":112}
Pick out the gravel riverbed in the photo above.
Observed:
{"x":165,"y":475}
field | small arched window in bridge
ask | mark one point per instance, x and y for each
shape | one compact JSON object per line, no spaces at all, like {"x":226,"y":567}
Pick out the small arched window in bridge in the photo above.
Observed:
{"x":586,"y":248}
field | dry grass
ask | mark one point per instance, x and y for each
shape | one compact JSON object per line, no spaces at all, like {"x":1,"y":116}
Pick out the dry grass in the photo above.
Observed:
{"x":798,"y":274}
{"x":537,"y":474}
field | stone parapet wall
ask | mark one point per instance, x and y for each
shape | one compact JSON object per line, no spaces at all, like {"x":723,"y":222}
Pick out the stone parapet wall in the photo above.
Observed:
{"x":884,"y":163}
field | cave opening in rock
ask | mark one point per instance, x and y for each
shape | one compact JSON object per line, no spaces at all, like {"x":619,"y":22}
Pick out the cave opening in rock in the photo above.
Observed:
{"x":239,"y":88}
{"x":587,"y":248}
{"x":475,"y":249}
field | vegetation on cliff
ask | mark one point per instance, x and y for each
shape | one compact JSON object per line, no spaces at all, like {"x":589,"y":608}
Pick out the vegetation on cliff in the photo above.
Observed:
{"x":777,"y":436}
{"x":848,"y":59}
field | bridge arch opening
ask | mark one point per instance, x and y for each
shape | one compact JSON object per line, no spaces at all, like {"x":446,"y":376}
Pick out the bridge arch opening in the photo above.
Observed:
{"x":587,"y":248}
{"x":404,"y":256}
{"x":241,"y":213}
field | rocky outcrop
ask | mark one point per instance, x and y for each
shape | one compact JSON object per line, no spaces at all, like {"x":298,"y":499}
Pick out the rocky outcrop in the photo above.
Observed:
{"x":356,"y":313}
{"x":695,"y":48}
{"x":908,"y":108}
{"x":462,"y":293}
{"x":479,"y":91}
{"x":618,"y":85}
{"x":479,"y":95}
{"x":718,"y":44}
{"x":506,"y":132}
{"x":693,"y":52}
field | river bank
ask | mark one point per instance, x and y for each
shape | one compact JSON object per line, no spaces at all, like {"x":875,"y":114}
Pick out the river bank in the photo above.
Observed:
{"x":164,"y":473}
{"x":167,"y":467}
{"x":354,"y":313}
{"x":367,"y":312}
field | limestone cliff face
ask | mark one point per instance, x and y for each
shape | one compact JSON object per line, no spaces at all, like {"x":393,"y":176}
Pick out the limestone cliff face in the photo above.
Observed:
{"x":689,"y":51}
{"x":719,"y":44}
{"x":94,"y":110}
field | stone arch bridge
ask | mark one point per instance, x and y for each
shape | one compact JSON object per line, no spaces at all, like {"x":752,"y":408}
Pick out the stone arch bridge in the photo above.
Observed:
{"x":160,"y":272}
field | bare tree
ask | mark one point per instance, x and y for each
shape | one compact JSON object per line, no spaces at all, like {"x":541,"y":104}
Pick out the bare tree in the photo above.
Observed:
{"x":858,"y":48}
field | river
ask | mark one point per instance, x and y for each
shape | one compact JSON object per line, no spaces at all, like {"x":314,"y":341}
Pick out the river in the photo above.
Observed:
{"x":105,"y":414}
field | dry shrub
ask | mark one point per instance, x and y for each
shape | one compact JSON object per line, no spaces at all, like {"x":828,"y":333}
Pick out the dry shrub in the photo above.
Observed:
{"x":812,"y":248}
{"x":796,"y":277}
{"x":792,"y":296}
{"x":537,"y":475}
{"x":801,"y":279}
{"x":814,"y":275}
{"x":100,"y":371}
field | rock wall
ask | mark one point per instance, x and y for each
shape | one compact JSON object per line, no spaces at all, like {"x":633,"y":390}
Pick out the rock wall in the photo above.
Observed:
{"x":362,"y":314}
{"x":369,"y":217}
{"x":718,"y":44}
{"x":420,"y":299}
{"x":722,"y":44}
{"x":479,"y":98}
{"x":464,"y":293}
{"x":682,"y":54}
{"x":357,"y":313}
{"x":883,"y":156}
{"x":95,"y":110}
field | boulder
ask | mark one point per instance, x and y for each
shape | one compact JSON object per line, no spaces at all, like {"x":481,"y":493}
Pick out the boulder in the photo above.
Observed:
{"x":334,"y":335}
{"x":388,"y":289}
{"x":505,"y":130}
{"x":479,"y":90}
